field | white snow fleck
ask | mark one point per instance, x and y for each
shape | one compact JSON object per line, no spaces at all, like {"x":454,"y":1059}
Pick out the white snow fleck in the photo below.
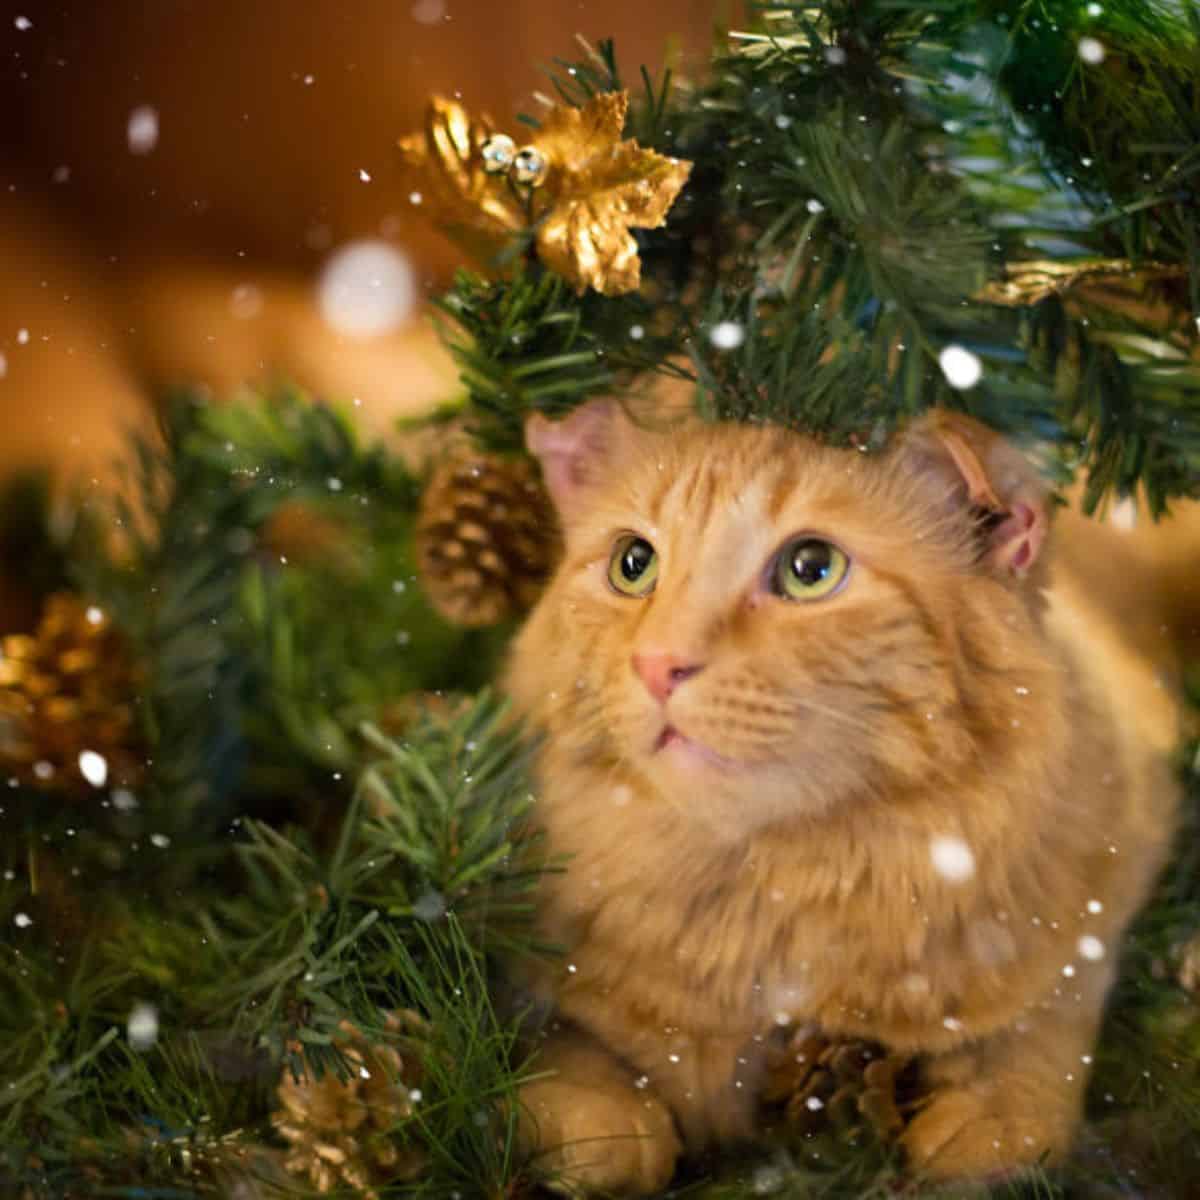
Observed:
{"x":1124,"y":514}
{"x":814,"y":1104}
{"x":366,"y":289}
{"x":429,"y":906}
{"x":94,"y":615}
{"x":429,"y":12}
{"x":124,"y":800}
{"x":673,"y":1058}
{"x":1069,"y":971}
{"x":141,"y":132}
{"x":1094,"y":9}
{"x":142,"y":1026}
{"x":415,"y":198}
{"x":309,"y":80}
{"x":416,"y":1095}
{"x":22,"y":337}
{"x":93,"y":767}
{"x":1090,"y":947}
{"x":160,"y":840}
{"x":24,"y":24}
{"x":767,"y":1180}
{"x":953,"y":1024}
{"x":364,"y":1073}
{"x":3,"y":365}
{"x":835,"y":56}
{"x":727,"y":335}
{"x":246,"y":301}
{"x":637,"y":332}
{"x":22,"y":920}
{"x":814,"y":206}
{"x":333,"y":483}
{"x":364,"y":175}
{"x":782,"y":121}
{"x":952,"y":858}
{"x":1094,"y":907}
{"x":962,"y":368}
{"x":1091,"y":50}
{"x":43,"y":769}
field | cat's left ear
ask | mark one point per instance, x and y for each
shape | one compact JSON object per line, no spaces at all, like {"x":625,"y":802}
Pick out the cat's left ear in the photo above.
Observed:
{"x":574,"y":449}
{"x":982,"y":470}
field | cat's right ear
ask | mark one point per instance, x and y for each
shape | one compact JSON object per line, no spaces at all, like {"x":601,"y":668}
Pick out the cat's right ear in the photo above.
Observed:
{"x":573,"y":449}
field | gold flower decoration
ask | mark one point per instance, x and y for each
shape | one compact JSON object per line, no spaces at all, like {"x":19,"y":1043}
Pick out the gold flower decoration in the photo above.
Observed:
{"x":577,"y":187}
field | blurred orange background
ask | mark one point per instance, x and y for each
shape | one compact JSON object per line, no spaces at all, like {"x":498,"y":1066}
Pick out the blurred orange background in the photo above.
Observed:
{"x":175,"y":176}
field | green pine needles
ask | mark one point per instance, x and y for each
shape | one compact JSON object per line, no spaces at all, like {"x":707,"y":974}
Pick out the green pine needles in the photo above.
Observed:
{"x":866,"y":178}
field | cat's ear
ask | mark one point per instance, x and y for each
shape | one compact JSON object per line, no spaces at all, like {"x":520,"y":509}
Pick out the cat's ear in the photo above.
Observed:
{"x":981,"y":470}
{"x":574,"y":449}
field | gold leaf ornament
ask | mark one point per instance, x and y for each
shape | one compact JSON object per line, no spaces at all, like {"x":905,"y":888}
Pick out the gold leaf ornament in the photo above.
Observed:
{"x":577,"y":187}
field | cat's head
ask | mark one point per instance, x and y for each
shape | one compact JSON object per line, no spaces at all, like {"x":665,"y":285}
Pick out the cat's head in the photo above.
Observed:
{"x":755,"y":625}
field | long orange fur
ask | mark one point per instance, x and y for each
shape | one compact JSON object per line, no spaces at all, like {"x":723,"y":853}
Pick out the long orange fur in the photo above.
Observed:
{"x":788,"y":872}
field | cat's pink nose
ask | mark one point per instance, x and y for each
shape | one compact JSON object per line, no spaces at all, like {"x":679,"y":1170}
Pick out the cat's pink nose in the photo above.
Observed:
{"x":662,"y":672}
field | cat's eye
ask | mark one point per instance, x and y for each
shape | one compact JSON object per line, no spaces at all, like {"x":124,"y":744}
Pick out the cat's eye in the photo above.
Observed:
{"x":808,"y":568}
{"x":633,"y":567}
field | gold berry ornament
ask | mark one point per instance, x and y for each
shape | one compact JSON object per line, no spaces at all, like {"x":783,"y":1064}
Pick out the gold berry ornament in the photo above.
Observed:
{"x":577,"y":188}
{"x":67,"y":701}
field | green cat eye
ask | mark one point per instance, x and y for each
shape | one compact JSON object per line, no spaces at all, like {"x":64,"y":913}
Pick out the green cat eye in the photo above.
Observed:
{"x":809,"y":569}
{"x":633,"y":567}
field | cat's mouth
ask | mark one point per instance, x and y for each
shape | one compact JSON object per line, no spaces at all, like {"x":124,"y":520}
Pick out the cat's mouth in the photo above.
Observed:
{"x":671,"y":741}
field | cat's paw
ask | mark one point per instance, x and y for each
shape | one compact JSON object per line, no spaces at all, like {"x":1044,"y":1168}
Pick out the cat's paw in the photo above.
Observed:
{"x":960,"y":1136}
{"x":598,"y":1140}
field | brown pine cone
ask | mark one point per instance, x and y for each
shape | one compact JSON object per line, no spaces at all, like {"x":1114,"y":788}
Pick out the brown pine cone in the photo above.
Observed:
{"x":847,"y":1085}
{"x":487,"y":537}
{"x":67,"y":690}
{"x":342,"y":1132}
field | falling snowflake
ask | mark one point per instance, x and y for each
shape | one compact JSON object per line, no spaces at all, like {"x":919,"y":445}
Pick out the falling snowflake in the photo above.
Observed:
{"x":141,"y":133}
{"x":366,"y":289}
{"x":727,"y":335}
{"x":1090,"y":947}
{"x":1091,"y":51}
{"x":962,"y":368}
{"x":93,"y":767}
{"x":142,"y":1026}
{"x":952,"y":858}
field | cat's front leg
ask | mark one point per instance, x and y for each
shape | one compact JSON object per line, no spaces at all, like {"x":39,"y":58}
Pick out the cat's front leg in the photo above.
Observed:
{"x":589,"y":1128}
{"x":1012,"y":1100}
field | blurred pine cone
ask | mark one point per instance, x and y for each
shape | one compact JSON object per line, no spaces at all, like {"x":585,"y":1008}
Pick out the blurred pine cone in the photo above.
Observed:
{"x":67,"y":690}
{"x":487,"y":537}
{"x":342,"y":1132}
{"x":845,"y":1085}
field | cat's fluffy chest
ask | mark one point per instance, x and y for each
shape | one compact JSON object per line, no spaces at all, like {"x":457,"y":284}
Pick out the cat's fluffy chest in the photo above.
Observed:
{"x":732,"y":940}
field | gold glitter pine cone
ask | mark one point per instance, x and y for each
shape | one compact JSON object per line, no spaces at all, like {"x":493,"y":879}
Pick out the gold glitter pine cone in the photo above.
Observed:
{"x":487,"y":538}
{"x":67,"y":688}
{"x":342,"y":1133}
{"x":848,"y":1086}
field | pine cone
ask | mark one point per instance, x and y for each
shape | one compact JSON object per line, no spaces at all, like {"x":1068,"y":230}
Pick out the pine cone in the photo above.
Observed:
{"x":64,"y":690}
{"x":343,"y":1132}
{"x":848,"y":1085}
{"x":487,"y":537}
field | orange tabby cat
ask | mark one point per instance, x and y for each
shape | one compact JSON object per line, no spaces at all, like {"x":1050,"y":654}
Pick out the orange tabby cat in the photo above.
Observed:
{"x":828,"y":738}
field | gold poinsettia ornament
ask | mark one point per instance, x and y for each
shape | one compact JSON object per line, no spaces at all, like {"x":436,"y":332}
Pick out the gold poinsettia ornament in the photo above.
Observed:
{"x":577,"y":187}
